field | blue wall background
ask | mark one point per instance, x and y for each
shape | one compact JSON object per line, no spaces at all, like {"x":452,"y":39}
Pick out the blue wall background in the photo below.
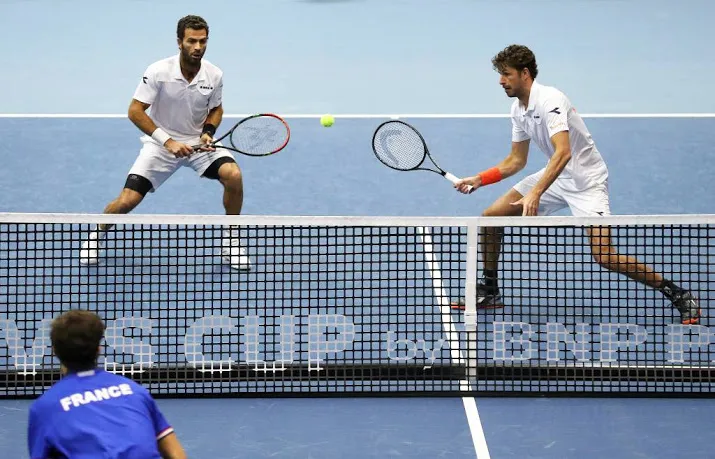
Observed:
{"x":364,"y":56}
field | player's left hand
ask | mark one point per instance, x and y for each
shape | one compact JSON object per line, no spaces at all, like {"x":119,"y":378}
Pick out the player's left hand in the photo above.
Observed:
{"x":529,"y":203}
{"x":206,"y":140}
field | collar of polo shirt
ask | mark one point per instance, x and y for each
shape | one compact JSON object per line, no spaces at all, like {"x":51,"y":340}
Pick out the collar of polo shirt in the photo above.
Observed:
{"x":177,"y":75}
{"x":533,"y":96}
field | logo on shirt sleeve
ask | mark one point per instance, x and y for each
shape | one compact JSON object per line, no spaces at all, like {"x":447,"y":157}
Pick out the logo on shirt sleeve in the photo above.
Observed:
{"x":556,"y":110}
{"x":558,"y":125}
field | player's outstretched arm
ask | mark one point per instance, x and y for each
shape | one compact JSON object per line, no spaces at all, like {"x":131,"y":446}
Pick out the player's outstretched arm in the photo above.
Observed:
{"x":514,"y":162}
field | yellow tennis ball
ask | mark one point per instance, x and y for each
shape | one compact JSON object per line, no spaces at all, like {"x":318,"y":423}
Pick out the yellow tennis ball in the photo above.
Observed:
{"x":327,"y":120}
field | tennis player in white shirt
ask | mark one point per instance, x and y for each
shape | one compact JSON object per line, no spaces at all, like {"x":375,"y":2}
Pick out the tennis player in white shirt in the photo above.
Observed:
{"x":575,"y":176}
{"x":184,"y":96}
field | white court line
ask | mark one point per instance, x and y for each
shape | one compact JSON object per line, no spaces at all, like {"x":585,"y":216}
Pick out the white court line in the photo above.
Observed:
{"x":374,"y":116}
{"x":470,"y":405}
{"x":475,"y":426}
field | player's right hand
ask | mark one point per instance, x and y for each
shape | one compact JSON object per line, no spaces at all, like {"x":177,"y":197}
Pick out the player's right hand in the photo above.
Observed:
{"x":180,"y":150}
{"x":463,"y":185}
{"x":206,"y":141}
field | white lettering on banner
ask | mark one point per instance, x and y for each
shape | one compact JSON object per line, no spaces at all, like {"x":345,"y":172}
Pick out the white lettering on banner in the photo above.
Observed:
{"x":97,"y":395}
{"x":41,"y":345}
{"x":525,"y":341}
{"x":217,"y":342}
{"x":194,"y":341}
{"x":318,"y":346}
{"x":411,"y":348}
{"x":556,"y":334}
{"x":519,"y":341}
{"x":114,"y":336}
{"x":611,"y":341}
{"x":285,"y":347}
{"x":680,"y":339}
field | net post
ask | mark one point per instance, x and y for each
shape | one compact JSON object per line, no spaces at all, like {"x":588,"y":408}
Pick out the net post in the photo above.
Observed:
{"x":470,"y":289}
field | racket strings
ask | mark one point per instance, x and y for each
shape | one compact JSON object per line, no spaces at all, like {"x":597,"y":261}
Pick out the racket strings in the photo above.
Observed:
{"x":260,"y":135}
{"x":399,"y":146}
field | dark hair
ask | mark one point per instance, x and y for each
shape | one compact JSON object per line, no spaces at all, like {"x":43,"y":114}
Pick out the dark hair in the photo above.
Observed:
{"x":76,"y":336}
{"x":190,"y":22}
{"x":518,"y":57}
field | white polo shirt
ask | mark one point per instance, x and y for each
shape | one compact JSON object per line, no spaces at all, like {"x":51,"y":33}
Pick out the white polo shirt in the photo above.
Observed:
{"x":178,"y":106}
{"x":549,"y":112}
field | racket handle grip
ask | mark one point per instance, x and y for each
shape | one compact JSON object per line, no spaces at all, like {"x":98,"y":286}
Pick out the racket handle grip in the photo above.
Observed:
{"x":198,"y":147}
{"x":453,"y":179}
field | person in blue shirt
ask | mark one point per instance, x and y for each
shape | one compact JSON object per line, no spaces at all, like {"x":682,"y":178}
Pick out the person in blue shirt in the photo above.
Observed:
{"x":92,"y":413}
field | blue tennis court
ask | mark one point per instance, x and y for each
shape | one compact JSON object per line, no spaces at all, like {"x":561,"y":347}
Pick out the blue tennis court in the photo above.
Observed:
{"x":372,"y":299}
{"x":293,"y":183}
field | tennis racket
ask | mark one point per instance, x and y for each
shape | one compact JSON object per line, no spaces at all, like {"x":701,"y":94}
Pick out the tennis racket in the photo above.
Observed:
{"x":256,"y":135}
{"x":400,"y":146}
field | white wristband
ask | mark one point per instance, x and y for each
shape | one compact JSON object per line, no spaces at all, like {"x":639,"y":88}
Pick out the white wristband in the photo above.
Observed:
{"x":160,"y":136}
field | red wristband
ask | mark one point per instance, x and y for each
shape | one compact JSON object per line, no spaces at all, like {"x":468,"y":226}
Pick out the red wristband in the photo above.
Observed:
{"x":490,"y":176}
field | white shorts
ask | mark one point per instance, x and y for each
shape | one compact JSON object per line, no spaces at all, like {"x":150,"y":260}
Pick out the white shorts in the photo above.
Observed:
{"x":156,"y":164}
{"x":585,"y":203}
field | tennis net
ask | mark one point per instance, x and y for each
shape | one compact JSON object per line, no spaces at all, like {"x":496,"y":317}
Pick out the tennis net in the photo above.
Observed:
{"x":359,"y":305}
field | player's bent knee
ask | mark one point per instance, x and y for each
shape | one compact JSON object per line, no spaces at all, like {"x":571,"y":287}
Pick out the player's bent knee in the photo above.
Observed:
{"x":135,"y":188}
{"x":128,"y":200}
{"x":139,"y":185}
{"x":497,"y":210}
{"x":502,"y":207}
{"x":221,"y":168}
{"x":231,"y":176}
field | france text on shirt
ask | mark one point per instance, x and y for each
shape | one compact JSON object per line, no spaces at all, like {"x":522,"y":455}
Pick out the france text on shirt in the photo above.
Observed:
{"x":96,"y":395}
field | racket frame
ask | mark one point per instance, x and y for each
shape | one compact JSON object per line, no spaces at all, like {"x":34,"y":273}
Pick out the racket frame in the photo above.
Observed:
{"x":230,"y":132}
{"x":427,"y":154}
